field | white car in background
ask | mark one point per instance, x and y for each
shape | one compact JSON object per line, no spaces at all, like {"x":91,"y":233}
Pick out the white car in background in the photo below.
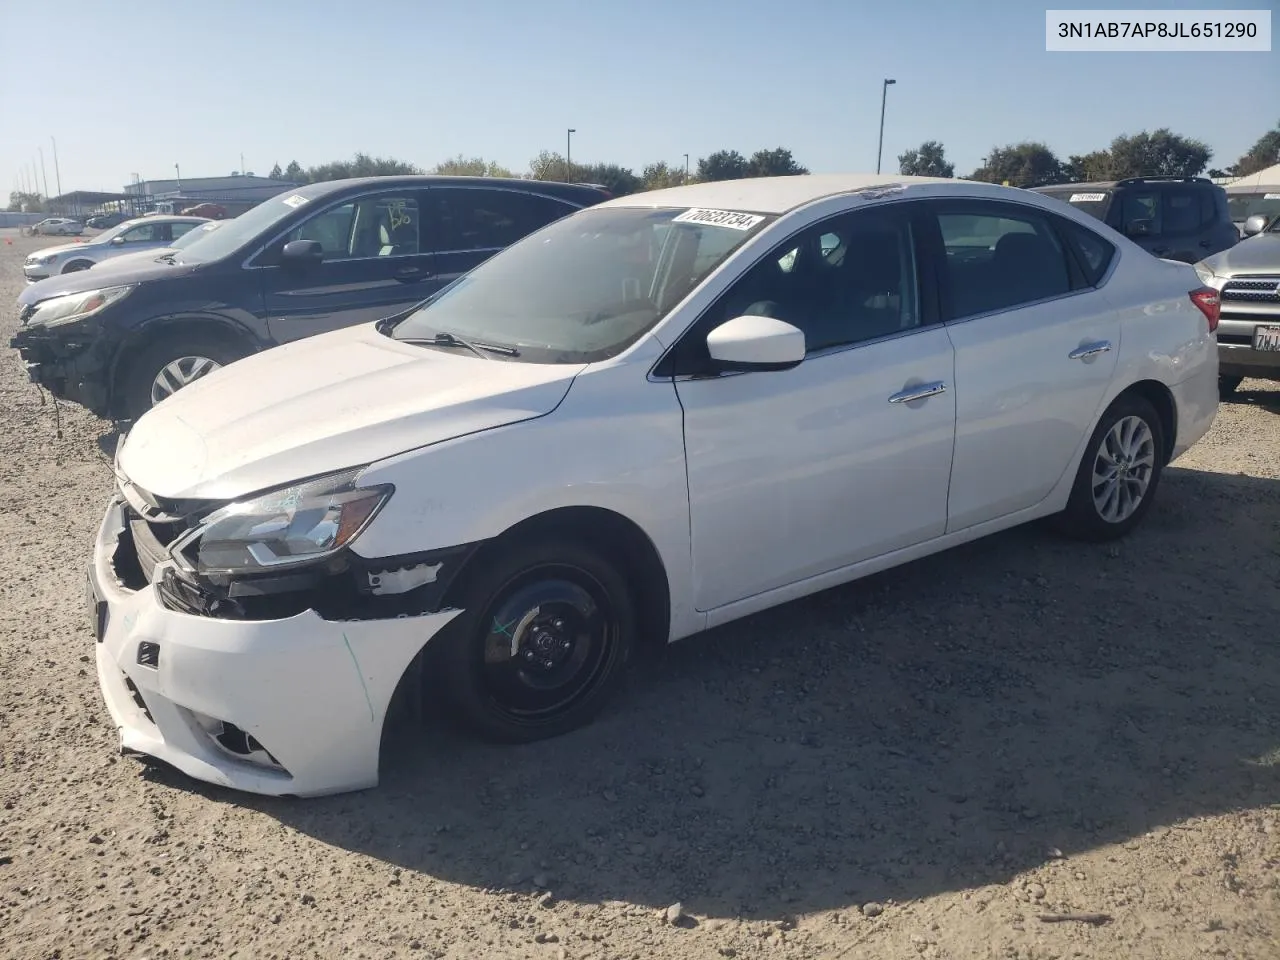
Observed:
{"x":151,"y":233}
{"x":58,"y":227}
{"x":144,"y":256}
{"x":648,"y":418}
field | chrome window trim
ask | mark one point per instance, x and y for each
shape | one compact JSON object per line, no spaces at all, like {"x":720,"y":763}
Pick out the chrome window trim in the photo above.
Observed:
{"x":248,"y":265}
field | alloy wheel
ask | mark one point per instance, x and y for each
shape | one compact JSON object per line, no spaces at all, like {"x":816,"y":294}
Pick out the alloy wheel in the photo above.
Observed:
{"x":1123,"y":468}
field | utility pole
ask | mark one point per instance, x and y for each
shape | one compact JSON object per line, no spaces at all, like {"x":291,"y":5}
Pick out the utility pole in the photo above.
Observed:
{"x":568,"y":148}
{"x":44,"y":173}
{"x":884,"y":93}
{"x":686,"y":167}
{"x":242,"y":164}
{"x":56,"y":173}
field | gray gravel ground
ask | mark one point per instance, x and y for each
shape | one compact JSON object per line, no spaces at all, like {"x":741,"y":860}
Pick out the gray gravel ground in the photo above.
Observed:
{"x":919,"y":764}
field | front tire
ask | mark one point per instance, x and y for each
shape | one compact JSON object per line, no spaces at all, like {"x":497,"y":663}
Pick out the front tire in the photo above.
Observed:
{"x":1118,"y":474}
{"x":75,"y":266}
{"x":542,"y":642}
{"x":161,"y":369}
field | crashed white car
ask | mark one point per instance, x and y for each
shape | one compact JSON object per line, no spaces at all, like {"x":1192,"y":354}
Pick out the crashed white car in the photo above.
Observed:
{"x":648,"y":418}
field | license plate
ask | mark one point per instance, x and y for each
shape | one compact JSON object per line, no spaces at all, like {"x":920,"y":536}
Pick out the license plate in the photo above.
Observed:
{"x":1266,"y":338}
{"x":97,"y":610}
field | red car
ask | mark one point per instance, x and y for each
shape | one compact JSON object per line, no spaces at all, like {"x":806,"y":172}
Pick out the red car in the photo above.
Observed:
{"x":210,"y":210}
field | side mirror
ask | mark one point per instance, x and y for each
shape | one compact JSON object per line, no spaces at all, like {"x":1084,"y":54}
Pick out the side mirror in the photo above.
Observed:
{"x":118,"y":241}
{"x":756,"y":343}
{"x":1139,"y":228}
{"x":1255,"y":224}
{"x":302,"y":251}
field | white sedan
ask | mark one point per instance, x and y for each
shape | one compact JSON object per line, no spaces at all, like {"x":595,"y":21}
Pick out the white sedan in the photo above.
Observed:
{"x":57,"y":227}
{"x":646,"y":419}
{"x":132,"y":236}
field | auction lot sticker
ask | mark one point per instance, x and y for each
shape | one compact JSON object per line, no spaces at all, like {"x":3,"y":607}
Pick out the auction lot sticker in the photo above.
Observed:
{"x":719,"y":218}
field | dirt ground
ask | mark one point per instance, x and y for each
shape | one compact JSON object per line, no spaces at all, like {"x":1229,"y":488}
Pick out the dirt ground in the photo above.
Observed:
{"x":922,"y":764}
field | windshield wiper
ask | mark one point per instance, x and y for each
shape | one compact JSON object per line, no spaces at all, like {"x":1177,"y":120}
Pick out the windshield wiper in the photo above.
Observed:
{"x":445,"y":339}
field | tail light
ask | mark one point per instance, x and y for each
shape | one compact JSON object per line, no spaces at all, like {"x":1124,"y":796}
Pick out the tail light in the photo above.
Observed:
{"x":1210,"y":304}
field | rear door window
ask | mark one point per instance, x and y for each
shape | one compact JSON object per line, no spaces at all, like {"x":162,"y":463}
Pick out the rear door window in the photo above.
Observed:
{"x":1180,"y":211}
{"x":1141,"y":206}
{"x":483,"y":219}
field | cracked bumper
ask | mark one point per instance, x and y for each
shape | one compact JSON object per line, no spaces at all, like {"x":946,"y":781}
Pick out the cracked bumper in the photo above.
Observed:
{"x":75,"y":375}
{"x":312,"y":692}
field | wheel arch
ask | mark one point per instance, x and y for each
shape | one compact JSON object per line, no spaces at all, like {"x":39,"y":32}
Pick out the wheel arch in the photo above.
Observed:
{"x":1161,"y":398}
{"x":165,"y":327}
{"x":618,"y":538}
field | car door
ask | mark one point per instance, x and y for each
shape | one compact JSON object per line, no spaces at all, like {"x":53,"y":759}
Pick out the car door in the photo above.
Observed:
{"x":145,"y":236}
{"x":375,"y":263}
{"x":1035,"y":343}
{"x":475,"y":222}
{"x":794,"y":473}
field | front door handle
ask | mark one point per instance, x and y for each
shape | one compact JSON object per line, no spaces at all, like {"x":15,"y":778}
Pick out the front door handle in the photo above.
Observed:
{"x":411,"y":273}
{"x":1206,"y":243}
{"x":921,"y":392}
{"x":1088,"y":350}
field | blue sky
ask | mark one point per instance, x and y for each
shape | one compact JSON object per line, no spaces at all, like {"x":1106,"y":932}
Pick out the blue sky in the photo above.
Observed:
{"x":137,"y":87}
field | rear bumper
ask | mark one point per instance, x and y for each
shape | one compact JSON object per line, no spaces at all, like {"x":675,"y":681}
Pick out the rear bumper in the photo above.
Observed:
{"x":291,"y":707}
{"x":1196,"y":401}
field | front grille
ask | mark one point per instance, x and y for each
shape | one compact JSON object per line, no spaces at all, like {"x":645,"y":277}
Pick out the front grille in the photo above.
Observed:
{"x":1262,"y":290}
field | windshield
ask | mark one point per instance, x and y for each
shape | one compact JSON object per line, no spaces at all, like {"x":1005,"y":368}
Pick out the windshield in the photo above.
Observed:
{"x":586,"y":287}
{"x":106,"y":235}
{"x":191,"y":236}
{"x":235,"y":233}
{"x":1242,"y":206}
{"x":1092,"y":202}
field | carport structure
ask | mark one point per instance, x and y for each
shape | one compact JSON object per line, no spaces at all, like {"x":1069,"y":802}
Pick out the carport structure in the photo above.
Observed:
{"x":79,"y":203}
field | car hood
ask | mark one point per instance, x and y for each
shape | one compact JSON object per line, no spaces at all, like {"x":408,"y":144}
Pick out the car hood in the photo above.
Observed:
{"x":61,"y":248}
{"x":129,"y":260}
{"x":81,"y":281}
{"x":1256,"y":254}
{"x":321,"y":404}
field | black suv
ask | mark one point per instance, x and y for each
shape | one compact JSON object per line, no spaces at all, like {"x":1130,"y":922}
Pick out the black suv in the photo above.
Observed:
{"x":1177,"y":218}
{"x":309,"y":260}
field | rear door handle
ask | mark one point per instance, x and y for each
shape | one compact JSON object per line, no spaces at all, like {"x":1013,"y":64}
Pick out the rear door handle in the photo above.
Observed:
{"x":1206,"y":243}
{"x":1090,"y":350}
{"x":921,"y":392}
{"x":411,"y":273}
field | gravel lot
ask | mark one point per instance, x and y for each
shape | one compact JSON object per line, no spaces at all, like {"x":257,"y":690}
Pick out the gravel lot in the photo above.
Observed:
{"x":920,"y":764}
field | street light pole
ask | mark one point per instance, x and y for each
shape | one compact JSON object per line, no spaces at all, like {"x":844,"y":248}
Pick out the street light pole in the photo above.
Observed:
{"x":56,"y":172}
{"x":686,"y":166}
{"x":568,"y":148}
{"x":884,"y":93}
{"x":44,"y":174}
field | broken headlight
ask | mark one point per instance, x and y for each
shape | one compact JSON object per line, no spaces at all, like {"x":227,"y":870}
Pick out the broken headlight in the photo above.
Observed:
{"x":290,"y":525}
{"x":77,"y":306}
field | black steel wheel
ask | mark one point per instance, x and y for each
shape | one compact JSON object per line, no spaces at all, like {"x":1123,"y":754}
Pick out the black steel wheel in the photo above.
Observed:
{"x":541,"y":645}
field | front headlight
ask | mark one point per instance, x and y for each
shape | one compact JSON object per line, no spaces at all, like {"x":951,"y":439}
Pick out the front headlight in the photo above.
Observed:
{"x":77,"y":306}
{"x":300,"y":523}
{"x":46,"y":260}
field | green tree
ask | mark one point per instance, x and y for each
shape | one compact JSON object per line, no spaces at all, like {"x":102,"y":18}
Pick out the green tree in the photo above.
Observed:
{"x":1161,"y":153}
{"x":294,"y":172}
{"x":1263,"y":154}
{"x":616,"y":179}
{"x":549,"y":165}
{"x":276,"y":173}
{"x":461,"y":166}
{"x":927,"y":160}
{"x":1026,"y":164}
{"x":361,"y":165}
{"x":658,"y":175}
{"x":773,"y":163}
{"x":34,"y":202}
{"x":723,"y":165}
{"x":1098,"y":165}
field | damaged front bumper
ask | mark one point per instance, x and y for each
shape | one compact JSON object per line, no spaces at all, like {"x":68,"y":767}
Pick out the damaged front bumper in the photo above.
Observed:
{"x":69,"y":369}
{"x":287,"y":707}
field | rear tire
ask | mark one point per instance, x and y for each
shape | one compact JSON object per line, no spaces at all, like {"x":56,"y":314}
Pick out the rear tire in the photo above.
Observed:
{"x":170,"y":364}
{"x":1118,"y":474}
{"x":1227,"y":386}
{"x":542,"y":643}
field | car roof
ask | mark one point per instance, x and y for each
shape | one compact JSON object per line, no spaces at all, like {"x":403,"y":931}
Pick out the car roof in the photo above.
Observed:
{"x":547,"y":187}
{"x":783,"y":194}
{"x":1127,"y":182}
